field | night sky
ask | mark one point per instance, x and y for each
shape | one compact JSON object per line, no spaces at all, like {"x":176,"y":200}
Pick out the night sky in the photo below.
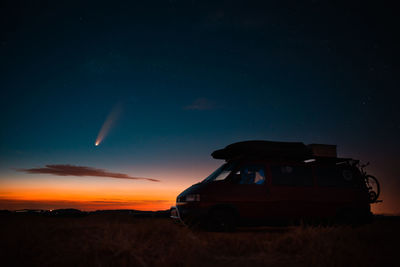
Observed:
{"x":171,"y":81}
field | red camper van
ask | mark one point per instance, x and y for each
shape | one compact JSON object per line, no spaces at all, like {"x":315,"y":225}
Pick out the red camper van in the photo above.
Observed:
{"x":264,"y":183}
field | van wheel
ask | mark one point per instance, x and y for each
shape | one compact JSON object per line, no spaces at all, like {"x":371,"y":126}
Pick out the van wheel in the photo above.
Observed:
{"x":221,"y":220}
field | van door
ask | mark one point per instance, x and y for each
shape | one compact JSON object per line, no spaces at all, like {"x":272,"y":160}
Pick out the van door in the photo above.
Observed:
{"x":291,"y":191}
{"x":246,"y":190}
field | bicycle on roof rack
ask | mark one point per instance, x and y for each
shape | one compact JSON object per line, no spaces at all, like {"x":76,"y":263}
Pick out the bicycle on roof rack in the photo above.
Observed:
{"x":371,"y":182}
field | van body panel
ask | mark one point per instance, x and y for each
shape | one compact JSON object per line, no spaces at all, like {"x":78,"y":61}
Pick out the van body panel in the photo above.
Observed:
{"x":249,"y":201}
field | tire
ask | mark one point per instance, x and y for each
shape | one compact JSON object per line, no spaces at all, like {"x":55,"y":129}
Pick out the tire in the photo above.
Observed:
{"x":221,"y":220}
{"x":370,"y":181}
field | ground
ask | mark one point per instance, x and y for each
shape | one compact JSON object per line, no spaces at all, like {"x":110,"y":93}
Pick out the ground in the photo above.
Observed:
{"x":126,"y":240}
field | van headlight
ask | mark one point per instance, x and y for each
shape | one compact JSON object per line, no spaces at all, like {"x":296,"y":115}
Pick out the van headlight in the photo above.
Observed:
{"x":193,"y":197}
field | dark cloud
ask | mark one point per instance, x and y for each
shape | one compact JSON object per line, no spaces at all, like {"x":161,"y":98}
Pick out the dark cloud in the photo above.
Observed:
{"x":71,"y":170}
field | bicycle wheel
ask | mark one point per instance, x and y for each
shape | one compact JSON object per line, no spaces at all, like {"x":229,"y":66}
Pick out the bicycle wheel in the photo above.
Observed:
{"x":373,"y":187}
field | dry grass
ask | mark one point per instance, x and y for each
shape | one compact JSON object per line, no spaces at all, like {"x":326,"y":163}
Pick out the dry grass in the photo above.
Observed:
{"x":122,"y":240}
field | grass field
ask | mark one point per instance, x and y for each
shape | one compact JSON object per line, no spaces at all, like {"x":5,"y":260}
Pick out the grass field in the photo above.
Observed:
{"x":124,"y":240}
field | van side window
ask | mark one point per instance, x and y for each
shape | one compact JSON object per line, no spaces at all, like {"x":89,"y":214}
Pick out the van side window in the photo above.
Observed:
{"x":336,"y":176}
{"x":251,"y":175}
{"x":291,"y":175}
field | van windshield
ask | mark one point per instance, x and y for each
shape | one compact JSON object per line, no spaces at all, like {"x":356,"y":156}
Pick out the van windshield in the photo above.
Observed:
{"x":220,"y":174}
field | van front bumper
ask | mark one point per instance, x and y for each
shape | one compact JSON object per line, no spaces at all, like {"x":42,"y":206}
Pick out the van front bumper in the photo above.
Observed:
{"x":188,"y":212}
{"x":175,"y":213}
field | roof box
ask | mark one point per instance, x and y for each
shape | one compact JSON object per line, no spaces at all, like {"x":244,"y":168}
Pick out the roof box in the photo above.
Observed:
{"x":263,"y":149}
{"x":322,"y":150}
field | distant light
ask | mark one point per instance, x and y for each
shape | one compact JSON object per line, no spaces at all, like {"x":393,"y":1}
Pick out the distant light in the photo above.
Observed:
{"x":309,"y":160}
{"x":97,"y":143}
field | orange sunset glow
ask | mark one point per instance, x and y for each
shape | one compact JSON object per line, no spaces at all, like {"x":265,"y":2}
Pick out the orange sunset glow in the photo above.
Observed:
{"x":94,"y":193}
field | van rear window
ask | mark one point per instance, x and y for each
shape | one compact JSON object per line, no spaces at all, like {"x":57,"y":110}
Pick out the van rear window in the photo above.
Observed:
{"x":291,"y":175}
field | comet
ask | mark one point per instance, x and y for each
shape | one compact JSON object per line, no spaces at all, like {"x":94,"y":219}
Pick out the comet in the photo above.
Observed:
{"x":108,"y":124}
